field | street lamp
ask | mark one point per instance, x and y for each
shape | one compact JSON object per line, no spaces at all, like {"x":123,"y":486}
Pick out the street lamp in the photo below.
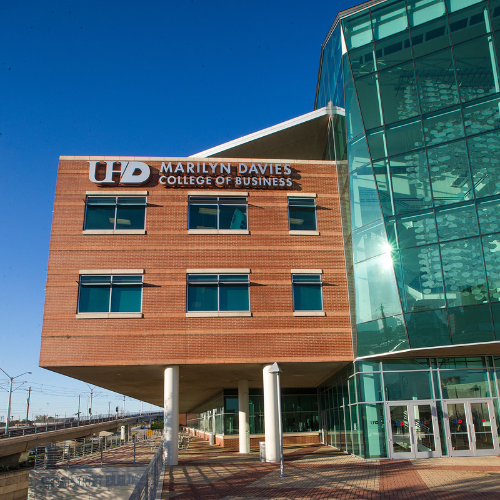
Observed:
{"x":10,"y":398}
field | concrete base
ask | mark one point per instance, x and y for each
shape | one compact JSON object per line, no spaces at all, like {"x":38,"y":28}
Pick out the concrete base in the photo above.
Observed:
{"x":14,"y":459}
{"x":14,"y":485}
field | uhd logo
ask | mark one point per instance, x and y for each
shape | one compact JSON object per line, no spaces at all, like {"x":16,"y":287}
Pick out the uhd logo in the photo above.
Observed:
{"x":124,"y":172}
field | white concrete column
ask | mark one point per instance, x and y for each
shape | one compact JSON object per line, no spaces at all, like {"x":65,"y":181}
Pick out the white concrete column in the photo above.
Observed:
{"x":271,"y":422}
{"x":244,"y":416}
{"x":123,"y":434}
{"x":171,"y":416}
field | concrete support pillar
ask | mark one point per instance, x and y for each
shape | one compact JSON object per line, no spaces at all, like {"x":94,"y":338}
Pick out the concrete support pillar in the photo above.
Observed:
{"x":171,"y":416}
{"x":271,"y":418}
{"x":123,"y":433}
{"x":244,"y":416}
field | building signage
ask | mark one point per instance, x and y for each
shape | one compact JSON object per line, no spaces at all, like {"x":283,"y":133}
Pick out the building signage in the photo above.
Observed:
{"x":191,"y":174}
{"x":273,"y":175}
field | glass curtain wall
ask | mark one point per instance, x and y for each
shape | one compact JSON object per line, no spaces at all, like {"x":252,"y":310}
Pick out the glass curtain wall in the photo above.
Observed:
{"x":352,"y":402}
{"x":421,"y":92}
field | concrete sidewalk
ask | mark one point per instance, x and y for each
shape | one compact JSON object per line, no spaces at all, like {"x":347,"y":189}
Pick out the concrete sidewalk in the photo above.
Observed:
{"x":318,"y":471}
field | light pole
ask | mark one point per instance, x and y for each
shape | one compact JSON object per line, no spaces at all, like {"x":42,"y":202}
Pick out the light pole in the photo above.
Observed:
{"x":91,"y":393}
{"x":276,"y":369}
{"x":10,"y":397}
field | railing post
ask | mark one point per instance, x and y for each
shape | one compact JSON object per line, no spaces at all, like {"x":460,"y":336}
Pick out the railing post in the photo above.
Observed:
{"x":134,"y":452}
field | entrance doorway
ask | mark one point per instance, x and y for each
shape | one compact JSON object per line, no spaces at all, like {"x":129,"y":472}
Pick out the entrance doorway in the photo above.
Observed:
{"x":471,"y":428}
{"x":413,"y":430}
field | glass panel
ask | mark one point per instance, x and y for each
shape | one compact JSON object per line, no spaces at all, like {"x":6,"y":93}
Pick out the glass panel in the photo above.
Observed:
{"x":457,"y":222}
{"x":370,"y":387}
{"x":469,"y":325}
{"x":454,"y":5}
{"x":130,"y":217}
{"x":383,"y":335}
{"x":482,"y":426}
{"x":398,"y":90}
{"x":407,"y":385}
{"x":388,"y":19}
{"x":357,"y":30}
{"x":423,"y":11}
{"x":302,"y":218}
{"x":127,"y":279}
{"x":100,"y":217}
{"x":202,"y":216}
{"x":442,"y":431}
{"x":424,"y":428}
{"x":377,"y":144}
{"x":382,"y":176}
{"x":463,"y":270}
{"x":373,"y":434}
{"x":232,"y":217}
{"x":450,"y":173}
{"x":370,"y":106}
{"x":430,"y":37}
{"x":95,"y":279}
{"x":202,"y":298}
{"x":365,"y":207}
{"x":464,"y":384}
{"x":94,"y":299}
{"x":469,"y":23}
{"x":401,"y":439}
{"x":448,"y":363}
{"x":126,"y":299}
{"x":458,"y":427}
{"x":410,"y":182}
{"x":232,"y":278}
{"x":306,"y":278}
{"x":368,"y":366}
{"x":484,"y":151}
{"x":427,"y":329}
{"x":436,"y":81}
{"x":233,"y":298}
{"x":357,"y":153}
{"x":475,"y":74}
{"x":307,"y":298}
{"x":418,"y":229}
{"x":397,"y":365}
{"x":393,"y":50}
{"x":404,"y":137}
{"x":362,"y":60}
{"x":131,"y":200}
{"x":369,"y":241}
{"x":481,"y":116}
{"x":375,"y":288}
{"x":491,"y":248}
{"x":420,"y":279}
{"x":354,"y":125}
{"x":443,"y":126}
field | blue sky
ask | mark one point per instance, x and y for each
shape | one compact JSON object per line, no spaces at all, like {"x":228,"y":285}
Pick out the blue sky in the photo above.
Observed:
{"x":156,"y":78}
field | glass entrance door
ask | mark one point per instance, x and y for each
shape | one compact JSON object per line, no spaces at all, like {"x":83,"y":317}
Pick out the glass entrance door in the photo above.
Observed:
{"x":413,"y":432}
{"x":472,"y":428}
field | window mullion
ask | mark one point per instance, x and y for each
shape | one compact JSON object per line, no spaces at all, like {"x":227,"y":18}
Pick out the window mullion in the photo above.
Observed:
{"x":110,"y":294}
{"x":116,"y":212}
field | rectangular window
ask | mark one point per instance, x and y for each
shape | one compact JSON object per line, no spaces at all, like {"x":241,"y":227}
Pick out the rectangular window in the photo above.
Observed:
{"x":307,"y":292}
{"x":115,"y":212}
{"x":110,"y":294}
{"x":218,"y":212}
{"x":302,"y":214}
{"x":218,"y":292}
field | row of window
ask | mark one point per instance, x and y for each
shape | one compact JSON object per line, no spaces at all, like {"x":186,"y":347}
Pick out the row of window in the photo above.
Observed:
{"x":205,"y":293}
{"x":204,"y":212}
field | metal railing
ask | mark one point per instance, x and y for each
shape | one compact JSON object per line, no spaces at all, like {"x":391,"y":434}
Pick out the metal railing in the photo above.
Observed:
{"x":67,"y":423}
{"x":146,"y":488}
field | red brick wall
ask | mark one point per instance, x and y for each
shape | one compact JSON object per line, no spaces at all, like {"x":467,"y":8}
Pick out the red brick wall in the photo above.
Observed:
{"x":164,"y":335}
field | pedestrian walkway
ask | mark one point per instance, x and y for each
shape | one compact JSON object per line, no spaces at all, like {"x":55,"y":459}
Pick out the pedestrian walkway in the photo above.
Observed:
{"x":316,"y":471}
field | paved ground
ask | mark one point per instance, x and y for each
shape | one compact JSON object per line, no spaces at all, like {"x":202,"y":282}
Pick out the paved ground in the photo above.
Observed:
{"x":318,"y":471}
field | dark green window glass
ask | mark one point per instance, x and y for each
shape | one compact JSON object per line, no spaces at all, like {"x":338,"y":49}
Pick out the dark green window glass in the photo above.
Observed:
{"x":362,"y":60}
{"x":383,"y":335}
{"x":427,"y":329}
{"x":368,"y":366}
{"x":202,"y":297}
{"x":122,"y":212}
{"x":482,"y":116}
{"x":421,"y":12}
{"x":393,"y":50}
{"x":475,"y":74}
{"x":202,"y":216}
{"x":354,"y":125}
{"x":437,"y":85}
{"x":443,"y":126}
{"x":471,"y":324}
{"x":377,"y":144}
{"x":94,"y":299}
{"x":233,"y":297}
{"x":357,"y":152}
{"x":357,"y":30}
{"x":417,"y":229}
{"x":126,"y":299}
{"x":491,"y":248}
{"x":369,"y":103}
{"x":455,"y":5}
{"x":302,"y":214}
{"x":365,"y":206}
{"x":420,"y":279}
{"x":404,"y":136}
{"x":410,"y":182}
{"x":469,"y":362}
{"x":450,"y":173}
{"x":484,"y":153}
{"x":495,"y":309}
{"x":217,"y":213}
{"x":369,"y":241}
{"x":463,"y":270}
{"x":430,"y":37}
{"x":495,"y":14}
{"x":398,"y":90}
{"x":389,"y":18}
{"x":129,"y":217}
{"x":464,"y":384}
{"x":407,"y":385}
{"x":307,"y":292}
{"x":370,"y":387}
{"x":373,"y":435}
{"x":469,"y":23}
{"x":457,"y":222}
{"x":232,"y":217}
{"x":100,"y":217}
{"x":397,"y":365}
{"x":382,"y":178}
